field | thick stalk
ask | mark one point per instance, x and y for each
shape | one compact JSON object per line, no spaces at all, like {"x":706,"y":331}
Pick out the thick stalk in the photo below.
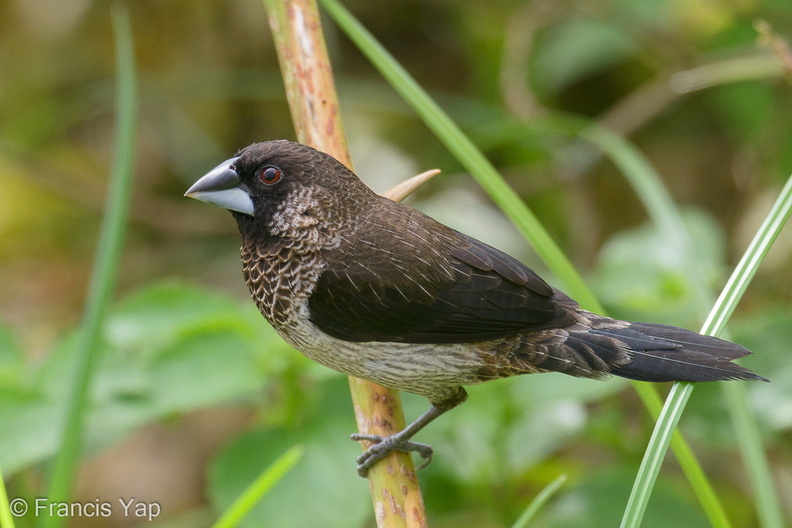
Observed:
{"x":313,"y":101}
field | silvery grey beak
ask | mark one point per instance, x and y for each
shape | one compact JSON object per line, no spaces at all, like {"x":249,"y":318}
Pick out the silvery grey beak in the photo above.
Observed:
{"x":220,"y":186}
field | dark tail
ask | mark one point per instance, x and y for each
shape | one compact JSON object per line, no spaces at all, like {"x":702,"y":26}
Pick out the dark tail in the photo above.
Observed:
{"x":654,"y":352}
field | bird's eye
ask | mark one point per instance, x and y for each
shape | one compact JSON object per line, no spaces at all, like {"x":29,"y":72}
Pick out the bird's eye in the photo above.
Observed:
{"x":270,"y":175}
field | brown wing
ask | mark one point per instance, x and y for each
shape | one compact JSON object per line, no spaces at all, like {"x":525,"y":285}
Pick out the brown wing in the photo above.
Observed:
{"x":465,"y":291}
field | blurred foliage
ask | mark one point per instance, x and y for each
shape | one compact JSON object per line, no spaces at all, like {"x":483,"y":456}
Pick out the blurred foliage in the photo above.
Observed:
{"x":183,"y":338}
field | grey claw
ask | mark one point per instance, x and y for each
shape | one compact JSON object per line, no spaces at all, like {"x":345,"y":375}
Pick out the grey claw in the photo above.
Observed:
{"x":383,"y":446}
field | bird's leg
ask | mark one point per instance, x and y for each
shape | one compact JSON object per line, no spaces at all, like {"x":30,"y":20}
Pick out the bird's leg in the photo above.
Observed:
{"x":385,"y":445}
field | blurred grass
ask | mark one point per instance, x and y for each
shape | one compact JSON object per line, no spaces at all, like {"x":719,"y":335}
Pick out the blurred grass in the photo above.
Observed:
{"x":105,"y":272}
{"x":648,"y":185}
{"x":536,"y":504}
{"x":768,"y":504}
{"x":258,"y":488}
{"x":6,"y":519}
{"x":769,"y":507}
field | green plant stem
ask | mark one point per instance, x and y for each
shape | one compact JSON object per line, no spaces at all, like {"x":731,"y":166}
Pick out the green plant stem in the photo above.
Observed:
{"x":728,"y":71}
{"x":655,"y":453}
{"x":699,"y":483}
{"x":105,"y":271}
{"x":649,"y":187}
{"x":769,"y":508}
{"x":774,"y":222}
{"x":6,"y":519}
{"x":662,"y":210}
{"x":258,"y":488}
{"x":768,"y":503}
{"x":540,"y":500}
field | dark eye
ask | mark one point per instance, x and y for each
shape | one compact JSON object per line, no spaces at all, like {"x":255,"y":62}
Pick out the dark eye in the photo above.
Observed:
{"x":270,"y":175}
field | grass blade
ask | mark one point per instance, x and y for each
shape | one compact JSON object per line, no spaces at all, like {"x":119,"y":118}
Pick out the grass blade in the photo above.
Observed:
{"x":699,"y":483}
{"x":259,"y":487}
{"x":541,"y":498}
{"x":655,"y":453}
{"x":105,"y":270}
{"x":6,"y":519}
{"x":648,"y":186}
{"x":768,"y":503}
{"x":769,"y":510}
{"x":757,"y":250}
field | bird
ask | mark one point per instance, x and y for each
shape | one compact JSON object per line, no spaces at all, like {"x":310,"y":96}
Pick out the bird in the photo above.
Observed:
{"x":378,"y":290}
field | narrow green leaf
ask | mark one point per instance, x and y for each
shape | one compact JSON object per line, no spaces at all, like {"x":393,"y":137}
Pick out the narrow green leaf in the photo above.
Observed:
{"x":774,"y":222}
{"x":649,"y":187}
{"x":655,"y":454}
{"x":769,"y":509}
{"x":105,"y":271}
{"x":768,"y":504}
{"x":6,"y":519}
{"x":536,"y":504}
{"x":259,"y":487}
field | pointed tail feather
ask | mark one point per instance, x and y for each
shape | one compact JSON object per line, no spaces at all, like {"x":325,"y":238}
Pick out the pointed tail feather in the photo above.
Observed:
{"x":654,"y":352}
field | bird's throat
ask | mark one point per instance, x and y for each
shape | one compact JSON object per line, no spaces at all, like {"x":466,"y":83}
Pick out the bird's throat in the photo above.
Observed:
{"x":280,"y":279}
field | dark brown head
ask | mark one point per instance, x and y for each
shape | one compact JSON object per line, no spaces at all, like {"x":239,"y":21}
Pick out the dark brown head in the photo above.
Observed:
{"x":285,"y":190}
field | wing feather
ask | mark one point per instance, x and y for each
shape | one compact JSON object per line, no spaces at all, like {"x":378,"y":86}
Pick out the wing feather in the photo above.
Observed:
{"x":473,"y":293}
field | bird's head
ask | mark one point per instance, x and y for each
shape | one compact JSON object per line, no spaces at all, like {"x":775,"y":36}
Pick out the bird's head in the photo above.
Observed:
{"x":284,"y":189}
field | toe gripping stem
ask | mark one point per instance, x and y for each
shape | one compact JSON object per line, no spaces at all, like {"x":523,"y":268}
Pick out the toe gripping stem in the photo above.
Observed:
{"x":385,"y":445}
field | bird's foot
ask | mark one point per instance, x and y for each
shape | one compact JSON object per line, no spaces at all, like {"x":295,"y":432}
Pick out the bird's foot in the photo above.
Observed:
{"x":385,"y":445}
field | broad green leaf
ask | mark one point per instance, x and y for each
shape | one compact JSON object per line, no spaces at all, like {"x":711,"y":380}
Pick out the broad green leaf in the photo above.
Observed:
{"x":575,"y":48}
{"x":322,"y":490}
{"x":170,"y":348}
{"x":162,"y":313}
{"x":659,"y":289}
{"x":12,"y":364}
{"x":28,"y":429}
